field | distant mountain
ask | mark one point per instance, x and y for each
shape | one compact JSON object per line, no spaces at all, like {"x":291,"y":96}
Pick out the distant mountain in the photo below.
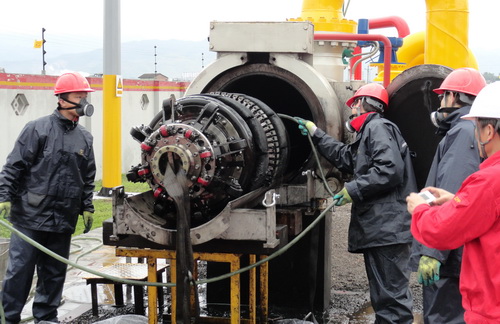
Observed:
{"x":487,"y":61}
{"x":176,"y":59}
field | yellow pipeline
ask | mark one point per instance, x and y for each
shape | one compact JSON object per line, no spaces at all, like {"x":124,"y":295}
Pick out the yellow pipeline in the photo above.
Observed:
{"x":111,"y":157}
{"x":327,"y":16}
{"x":412,"y":51}
{"x":446,"y":40}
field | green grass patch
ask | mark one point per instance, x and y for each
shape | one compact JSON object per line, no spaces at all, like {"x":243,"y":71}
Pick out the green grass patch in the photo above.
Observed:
{"x":129,"y":186}
{"x":4,"y":232}
{"x":103,"y":206}
{"x":103,"y":211}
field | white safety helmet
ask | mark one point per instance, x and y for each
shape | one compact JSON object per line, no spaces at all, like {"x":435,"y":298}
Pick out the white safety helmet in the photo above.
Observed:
{"x":486,"y":104}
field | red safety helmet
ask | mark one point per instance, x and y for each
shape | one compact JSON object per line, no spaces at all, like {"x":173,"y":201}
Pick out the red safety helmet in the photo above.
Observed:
{"x":72,"y":82}
{"x":373,"y":90}
{"x":464,"y":80}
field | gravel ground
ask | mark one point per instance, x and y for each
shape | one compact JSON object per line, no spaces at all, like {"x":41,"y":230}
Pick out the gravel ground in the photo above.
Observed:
{"x":105,"y":312}
{"x":349,"y":293}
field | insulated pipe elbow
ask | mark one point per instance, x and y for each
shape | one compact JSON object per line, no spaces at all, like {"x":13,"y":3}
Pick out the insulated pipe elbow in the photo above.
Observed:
{"x":412,"y":51}
{"x":447,"y":41}
{"x":391,"y":21}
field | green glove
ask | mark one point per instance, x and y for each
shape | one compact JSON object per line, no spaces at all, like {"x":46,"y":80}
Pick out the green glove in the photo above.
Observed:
{"x":5,"y":209}
{"x":306,"y":126}
{"x":428,"y":270}
{"x":88,"y":219}
{"x":342,"y":197}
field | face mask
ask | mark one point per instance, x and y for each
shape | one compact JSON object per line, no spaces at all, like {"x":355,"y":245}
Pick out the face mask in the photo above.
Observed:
{"x":355,"y":122}
{"x":482,"y":145}
{"x":355,"y":105}
{"x":348,"y":125}
{"x":83,"y":108}
{"x":437,"y":117}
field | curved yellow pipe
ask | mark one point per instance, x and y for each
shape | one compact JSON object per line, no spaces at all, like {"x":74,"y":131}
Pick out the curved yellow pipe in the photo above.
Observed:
{"x":412,"y":51}
{"x":446,"y":40}
{"x":472,"y":61}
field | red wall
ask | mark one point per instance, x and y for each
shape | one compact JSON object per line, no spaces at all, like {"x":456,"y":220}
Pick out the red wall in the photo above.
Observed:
{"x":46,"y":82}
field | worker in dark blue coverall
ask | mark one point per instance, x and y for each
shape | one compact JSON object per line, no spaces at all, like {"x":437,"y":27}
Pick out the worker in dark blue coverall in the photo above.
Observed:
{"x":379,"y":160}
{"x":456,"y":158}
{"x":46,"y":182}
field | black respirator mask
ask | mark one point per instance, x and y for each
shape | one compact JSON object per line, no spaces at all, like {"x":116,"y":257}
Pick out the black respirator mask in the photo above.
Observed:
{"x":353,"y":124}
{"x":437,"y":117}
{"x":348,"y":125}
{"x":83,"y":108}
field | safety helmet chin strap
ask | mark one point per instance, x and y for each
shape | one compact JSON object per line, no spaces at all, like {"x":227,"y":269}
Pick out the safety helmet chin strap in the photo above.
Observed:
{"x":483,"y":150}
{"x":483,"y":144}
{"x":77,"y":105}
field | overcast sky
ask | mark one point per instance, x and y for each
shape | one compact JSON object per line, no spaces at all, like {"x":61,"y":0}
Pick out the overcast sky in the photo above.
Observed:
{"x":79,"y":25}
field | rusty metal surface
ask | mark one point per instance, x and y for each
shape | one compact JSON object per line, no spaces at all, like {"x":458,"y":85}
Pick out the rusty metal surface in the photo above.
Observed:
{"x":411,"y":100}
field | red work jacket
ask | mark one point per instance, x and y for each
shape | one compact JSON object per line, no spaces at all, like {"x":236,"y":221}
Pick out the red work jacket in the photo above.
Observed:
{"x":471,"y":219}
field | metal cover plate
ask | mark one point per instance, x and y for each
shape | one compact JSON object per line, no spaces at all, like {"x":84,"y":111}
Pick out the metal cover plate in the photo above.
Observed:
{"x":274,"y":37}
{"x":132,"y":271}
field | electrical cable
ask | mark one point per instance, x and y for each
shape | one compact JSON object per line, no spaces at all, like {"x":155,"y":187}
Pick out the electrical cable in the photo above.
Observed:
{"x":345,"y":7}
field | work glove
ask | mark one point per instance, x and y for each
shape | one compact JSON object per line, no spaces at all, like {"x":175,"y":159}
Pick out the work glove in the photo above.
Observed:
{"x":306,"y":126}
{"x":88,"y":219}
{"x":428,"y":270}
{"x":342,"y":197}
{"x":5,"y":209}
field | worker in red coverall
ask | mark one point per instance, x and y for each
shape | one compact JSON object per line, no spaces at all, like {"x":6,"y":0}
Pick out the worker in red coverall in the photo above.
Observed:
{"x":456,"y":158}
{"x":471,"y":217}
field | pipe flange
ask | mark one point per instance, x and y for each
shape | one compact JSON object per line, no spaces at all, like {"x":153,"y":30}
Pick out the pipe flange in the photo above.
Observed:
{"x":188,"y":145}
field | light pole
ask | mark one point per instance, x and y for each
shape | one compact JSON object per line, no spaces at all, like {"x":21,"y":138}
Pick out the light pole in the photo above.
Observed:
{"x":43,"y":51}
{"x":155,"y":62}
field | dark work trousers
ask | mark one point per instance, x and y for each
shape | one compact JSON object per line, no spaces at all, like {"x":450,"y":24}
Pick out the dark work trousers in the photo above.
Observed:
{"x":443,"y":302}
{"x":23,"y":257}
{"x":388,"y":277}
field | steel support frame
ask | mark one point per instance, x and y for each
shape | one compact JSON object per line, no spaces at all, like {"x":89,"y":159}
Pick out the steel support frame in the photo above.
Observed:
{"x":233,"y":259}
